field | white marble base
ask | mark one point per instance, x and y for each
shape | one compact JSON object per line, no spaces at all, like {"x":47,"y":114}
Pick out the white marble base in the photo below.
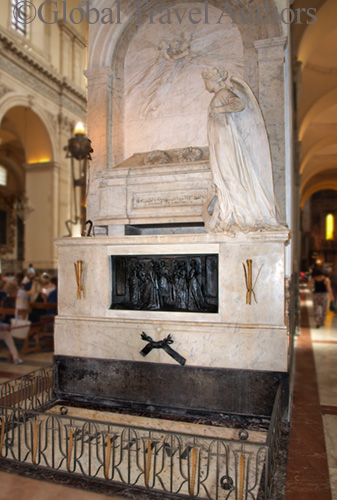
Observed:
{"x":238,"y":336}
{"x":206,"y":345}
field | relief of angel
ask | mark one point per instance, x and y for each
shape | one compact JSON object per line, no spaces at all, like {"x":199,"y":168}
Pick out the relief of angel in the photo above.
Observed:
{"x":240,"y":159}
{"x":156,"y":79}
{"x":166,"y":61}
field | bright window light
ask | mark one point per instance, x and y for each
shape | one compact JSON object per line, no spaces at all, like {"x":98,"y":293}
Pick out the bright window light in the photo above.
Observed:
{"x":20,"y":12}
{"x":329,"y":227}
{"x":3,"y":176}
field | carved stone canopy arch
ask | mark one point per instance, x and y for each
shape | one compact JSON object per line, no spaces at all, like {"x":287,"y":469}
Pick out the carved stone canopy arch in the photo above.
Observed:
{"x":111,"y":44}
{"x":261,"y":59}
{"x":108,"y":37}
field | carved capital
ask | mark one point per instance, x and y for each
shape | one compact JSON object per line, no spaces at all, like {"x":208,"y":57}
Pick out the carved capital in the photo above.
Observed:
{"x":99,"y":76}
{"x":271,"y":48}
{"x":66,"y":125}
{"x":53,"y":119}
{"x":4,"y":89}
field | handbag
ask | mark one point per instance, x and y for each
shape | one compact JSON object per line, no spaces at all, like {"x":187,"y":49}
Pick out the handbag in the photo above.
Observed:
{"x":332,"y":306}
{"x":20,"y":328}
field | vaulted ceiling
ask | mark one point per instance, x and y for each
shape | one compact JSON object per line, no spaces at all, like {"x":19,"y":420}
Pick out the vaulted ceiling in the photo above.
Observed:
{"x":315,"y":50}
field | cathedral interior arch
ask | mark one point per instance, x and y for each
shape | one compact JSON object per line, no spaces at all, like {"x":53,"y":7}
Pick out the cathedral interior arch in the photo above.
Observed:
{"x":315,"y":48}
{"x":26,"y":154}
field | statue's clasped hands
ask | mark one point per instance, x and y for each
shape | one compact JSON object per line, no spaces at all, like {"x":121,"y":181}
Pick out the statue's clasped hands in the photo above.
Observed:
{"x":213,"y":113}
{"x":217,"y":110}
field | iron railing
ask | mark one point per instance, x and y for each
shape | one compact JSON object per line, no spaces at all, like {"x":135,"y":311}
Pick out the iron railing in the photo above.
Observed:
{"x":29,"y":392}
{"x":190,"y":464}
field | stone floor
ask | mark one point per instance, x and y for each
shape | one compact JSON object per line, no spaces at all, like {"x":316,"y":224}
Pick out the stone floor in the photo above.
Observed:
{"x":312,"y":458}
{"x":14,"y":487}
{"x":312,"y":465}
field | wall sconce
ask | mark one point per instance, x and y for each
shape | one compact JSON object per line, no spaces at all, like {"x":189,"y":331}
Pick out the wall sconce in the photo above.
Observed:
{"x":79,"y":151}
{"x":22,"y":208}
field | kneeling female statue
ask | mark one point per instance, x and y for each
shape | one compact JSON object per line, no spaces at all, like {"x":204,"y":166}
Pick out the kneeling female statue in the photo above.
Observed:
{"x":240,"y":159}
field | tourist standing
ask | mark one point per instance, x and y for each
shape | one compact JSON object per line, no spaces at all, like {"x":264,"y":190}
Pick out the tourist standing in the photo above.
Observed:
{"x":321,"y":293}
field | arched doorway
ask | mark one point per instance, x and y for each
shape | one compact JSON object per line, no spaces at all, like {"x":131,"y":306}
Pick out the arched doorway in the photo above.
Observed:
{"x":26,"y":190}
{"x":316,"y":51}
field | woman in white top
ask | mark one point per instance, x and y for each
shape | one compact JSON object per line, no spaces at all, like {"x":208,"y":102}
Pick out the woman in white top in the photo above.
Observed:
{"x":47,"y":285}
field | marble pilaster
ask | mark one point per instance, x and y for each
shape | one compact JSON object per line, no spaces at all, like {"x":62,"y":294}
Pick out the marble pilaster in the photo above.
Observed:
{"x":42,"y":225}
{"x":271,"y":99}
{"x":99,"y":112}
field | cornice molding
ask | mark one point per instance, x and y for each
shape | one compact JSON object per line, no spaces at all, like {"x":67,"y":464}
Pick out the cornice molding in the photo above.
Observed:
{"x":7,"y":44}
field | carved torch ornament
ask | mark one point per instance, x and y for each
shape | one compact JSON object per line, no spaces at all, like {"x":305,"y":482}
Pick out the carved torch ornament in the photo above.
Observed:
{"x":248,"y":271}
{"x":78,"y":273}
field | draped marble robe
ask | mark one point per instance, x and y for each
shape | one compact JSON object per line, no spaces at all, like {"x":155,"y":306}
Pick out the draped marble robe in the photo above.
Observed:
{"x":240,"y":163}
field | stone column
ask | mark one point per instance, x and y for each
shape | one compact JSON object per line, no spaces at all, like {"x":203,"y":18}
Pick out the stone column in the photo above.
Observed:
{"x":100,"y":116}
{"x":42,"y":225}
{"x":272,"y":102}
{"x":99,"y":129}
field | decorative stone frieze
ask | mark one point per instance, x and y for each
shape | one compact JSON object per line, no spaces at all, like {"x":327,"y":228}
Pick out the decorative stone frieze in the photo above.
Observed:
{"x":41,"y":77}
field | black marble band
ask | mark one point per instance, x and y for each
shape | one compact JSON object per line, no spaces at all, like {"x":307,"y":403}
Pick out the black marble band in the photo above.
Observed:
{"x":168,"y":387}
